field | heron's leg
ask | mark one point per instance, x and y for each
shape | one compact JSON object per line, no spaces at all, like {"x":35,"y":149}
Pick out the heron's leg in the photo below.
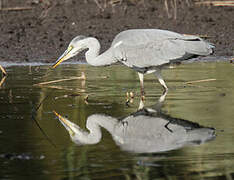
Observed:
{"x":141,"y":77}
{"x":159,"y":104}
{"x":141,"y":105}
{"x":161,"y":81}
{"x":162,"y":97}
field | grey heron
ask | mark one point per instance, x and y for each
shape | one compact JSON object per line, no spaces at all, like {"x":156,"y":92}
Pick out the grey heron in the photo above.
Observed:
{"x":144,"y":50}
{"x":144,"y":131}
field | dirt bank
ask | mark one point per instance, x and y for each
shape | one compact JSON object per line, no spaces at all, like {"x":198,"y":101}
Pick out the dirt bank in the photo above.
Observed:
{"x":43,"y":32}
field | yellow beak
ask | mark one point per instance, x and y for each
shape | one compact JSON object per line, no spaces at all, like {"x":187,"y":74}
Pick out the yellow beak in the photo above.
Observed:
{"x":63,"y":57}
{"x":58,"y":62}
{"x":65,"y":122}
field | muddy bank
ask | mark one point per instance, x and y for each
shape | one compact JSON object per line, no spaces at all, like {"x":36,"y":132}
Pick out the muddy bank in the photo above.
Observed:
{"x":43,"y":32}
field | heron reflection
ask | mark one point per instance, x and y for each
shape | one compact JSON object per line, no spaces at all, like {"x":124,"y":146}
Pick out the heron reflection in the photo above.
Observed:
{"x":145,"y":131}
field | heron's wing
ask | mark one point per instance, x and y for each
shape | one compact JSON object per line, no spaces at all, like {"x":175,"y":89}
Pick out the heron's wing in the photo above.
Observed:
{"x":145,"y":48}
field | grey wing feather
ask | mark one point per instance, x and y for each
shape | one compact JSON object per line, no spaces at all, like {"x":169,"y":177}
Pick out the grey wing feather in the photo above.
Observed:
{"x":196,"y":45}
{"x":153,"y":47}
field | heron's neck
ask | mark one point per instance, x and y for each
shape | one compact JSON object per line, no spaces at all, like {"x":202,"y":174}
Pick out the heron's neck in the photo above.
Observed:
{"x":92,"y":55}
{"x":94,"y":124}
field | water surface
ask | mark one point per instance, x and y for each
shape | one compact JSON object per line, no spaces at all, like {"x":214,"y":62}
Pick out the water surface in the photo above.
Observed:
{"x":26,"y":153}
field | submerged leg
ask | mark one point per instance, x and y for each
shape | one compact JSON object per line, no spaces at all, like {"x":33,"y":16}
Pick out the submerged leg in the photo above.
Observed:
{"x":159,"y":104}
{"x":141,"y":77}
{"x":161,"y":81}
{"x":162,"y":97}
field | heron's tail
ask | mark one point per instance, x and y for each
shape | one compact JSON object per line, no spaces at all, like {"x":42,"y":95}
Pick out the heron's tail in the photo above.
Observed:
{"x":212,"y":47}
{"x":198,"y":46}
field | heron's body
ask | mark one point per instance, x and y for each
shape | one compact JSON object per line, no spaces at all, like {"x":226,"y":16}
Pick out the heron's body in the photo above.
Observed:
{"x":144,"y":50}
{"x":150,"y":48}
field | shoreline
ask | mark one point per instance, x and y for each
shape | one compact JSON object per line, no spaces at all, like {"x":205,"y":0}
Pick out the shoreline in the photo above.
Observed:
{"x":206,"y":59}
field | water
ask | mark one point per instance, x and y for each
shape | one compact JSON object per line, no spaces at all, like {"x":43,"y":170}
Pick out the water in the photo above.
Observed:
{"x":26,"y":153}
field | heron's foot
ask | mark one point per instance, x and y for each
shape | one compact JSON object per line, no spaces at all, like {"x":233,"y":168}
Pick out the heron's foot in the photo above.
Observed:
{"x":129,"y":95}
{"x":129,"y":98}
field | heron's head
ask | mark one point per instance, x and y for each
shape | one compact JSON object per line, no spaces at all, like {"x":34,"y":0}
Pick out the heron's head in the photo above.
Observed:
{"x":70,"y":127}
{"x":78,"y":136}
{"x":76,"y":45}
